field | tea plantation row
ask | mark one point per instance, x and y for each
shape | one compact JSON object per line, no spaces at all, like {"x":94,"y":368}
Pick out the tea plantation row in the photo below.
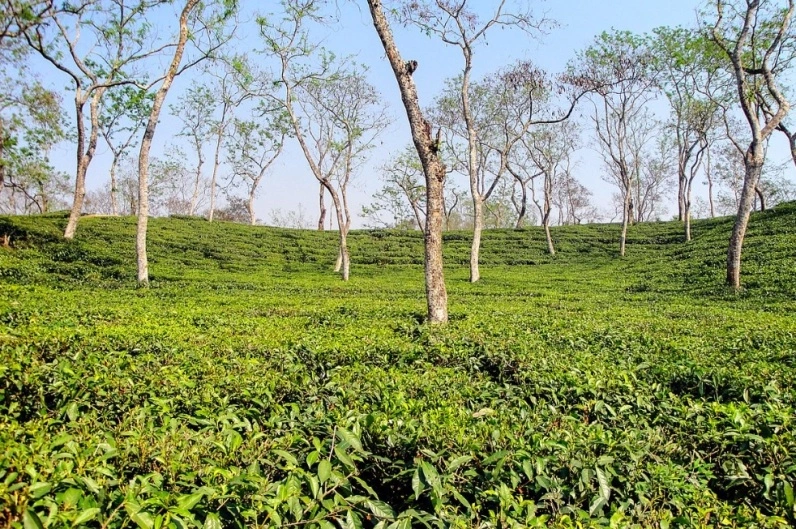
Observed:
{"x":249,"y":387}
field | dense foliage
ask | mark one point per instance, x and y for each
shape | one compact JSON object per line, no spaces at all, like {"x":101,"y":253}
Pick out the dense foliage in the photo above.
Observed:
{"x":250,"y":387}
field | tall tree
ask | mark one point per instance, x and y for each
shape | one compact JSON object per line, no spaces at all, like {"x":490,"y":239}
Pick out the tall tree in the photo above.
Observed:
{"x":194,"y":109}
{"x":549,"y":148}
{"x":208,"y":40}
{"x":687,"y":71}
{"x":757,"y":38}
{"x":229,"y":86}
{"x":616,"y":67}
{"x":253,"y":148}
{"x":334,"y":112}
{"x":125,"y":110}
{"x":427,"y":147}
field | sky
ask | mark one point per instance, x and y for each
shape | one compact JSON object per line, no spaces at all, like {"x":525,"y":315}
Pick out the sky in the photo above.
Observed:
{"x":291,"y":183}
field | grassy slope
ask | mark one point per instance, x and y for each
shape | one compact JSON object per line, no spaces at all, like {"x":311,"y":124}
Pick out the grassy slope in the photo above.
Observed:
{"x":678,"y":391}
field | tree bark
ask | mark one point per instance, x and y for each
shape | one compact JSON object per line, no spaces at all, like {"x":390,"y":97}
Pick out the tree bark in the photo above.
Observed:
{"x":343,"y":263}
{"x":250,"y":208}
{"x":753,"y":168}
{"x":146,"y":145}
{"x":625,"y":221}
{"x":760,"y":196}
{"x":322,"y":205}
{"x":197,"y":182}
{"x":548,"y":191}
{"x":216,"y":161}
{"x":84,"y":157}
{"x":433,"y":170}
{"x":523,"y":206}
{"x":114,"y":205}
{"x":478,"y":227}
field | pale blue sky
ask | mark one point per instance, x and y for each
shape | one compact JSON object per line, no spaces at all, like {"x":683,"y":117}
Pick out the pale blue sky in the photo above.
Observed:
{"x":579,"y":21}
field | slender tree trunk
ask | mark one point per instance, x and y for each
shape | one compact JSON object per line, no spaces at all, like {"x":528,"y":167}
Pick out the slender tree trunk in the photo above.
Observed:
{"x":472,"y":169}
{"x":418,"y":214}
{"x":343,"y":263}
{"x":216,"y":161}
{"x":114,"y":205}
{"x":80,"y":175}
{"x":214,"y":178}
{"x":433,"y":170}
{"x":548,"y":188}
{"x":478,"y":227}
{"x":84,"y":157}
{"x":523,"y":206}
{"x":625,"y":221}
{"x":681,"y":200}
{"x":250,"y":208}
{"x":551,"y":249}
{"x":322,"y":205}
{"x":687,"y":224}
{"x":760,"y":196}
{"x":146,"y":145}
{"x":197,"y":181}
{"x":754,"y":167}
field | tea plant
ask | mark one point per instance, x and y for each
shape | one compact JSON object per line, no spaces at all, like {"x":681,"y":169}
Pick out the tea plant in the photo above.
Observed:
{"x":249,"y":387}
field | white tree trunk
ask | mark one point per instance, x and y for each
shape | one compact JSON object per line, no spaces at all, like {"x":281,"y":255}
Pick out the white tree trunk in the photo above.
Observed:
{"x":146,"y":145}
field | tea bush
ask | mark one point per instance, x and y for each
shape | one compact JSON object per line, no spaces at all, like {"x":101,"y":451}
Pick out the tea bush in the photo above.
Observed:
{"x":249,"y":387}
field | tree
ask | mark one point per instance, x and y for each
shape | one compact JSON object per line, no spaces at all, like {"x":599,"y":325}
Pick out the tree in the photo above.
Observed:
{"x":118,"y":34}
{"x":427,"y":147}
{"x":336,"y":115}
{"x":458,"y":25}
{"x":616,"y":67}
{"x":194,"y":109}
{"x":757,"y":39}
{"x":235,"y":210}
{"x":124,"y":112}
{"x":229,"y":87}
{"x":215,"y":38}
{"x":30,"y":115}
{"x":549,"y":148}
{"x":686,"y":71}
{"x":253,"y":148}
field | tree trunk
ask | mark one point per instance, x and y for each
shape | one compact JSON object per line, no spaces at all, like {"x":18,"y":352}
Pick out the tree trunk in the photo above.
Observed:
{"x":687,"y":224}
{"x":478,"y":227}
{"x":214,"y":177}
{"x":754,"y":166}
{"x":216,"y":162}
{"x":681,"y":200}
{"x":472,"y":170}
{"x":195,"y":194}
{"x":322,"y":204}
{"x":625,"y":221}
{"x":761,"y":196}
{"x":433,"y":170}
{"x":551,"y":249}
{"x":146,"y":145}
{"x":114,"y":205}
{"x":523,"y":205}
{"x":83,"y":157}
{"x":250,"y":208}
{"x":548,"y":192}
{"x":343,"y":259}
